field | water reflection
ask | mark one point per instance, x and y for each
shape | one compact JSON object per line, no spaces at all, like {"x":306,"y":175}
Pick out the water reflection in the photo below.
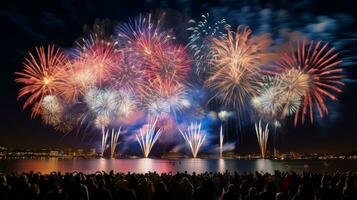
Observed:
{"x":264,"y":165}
{"x":221,"y":165}
{"x":103,"y":164}
{"x":145,"y":165}
{"x":165,"y":166}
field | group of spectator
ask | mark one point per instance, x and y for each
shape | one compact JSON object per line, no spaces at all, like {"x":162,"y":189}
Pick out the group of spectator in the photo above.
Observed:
{"x":185,"y":186}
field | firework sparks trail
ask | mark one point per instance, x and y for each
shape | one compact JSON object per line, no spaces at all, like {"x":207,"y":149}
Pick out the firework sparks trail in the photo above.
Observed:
{"x":221,"y":137}
{"x":262,"y":136}
{"x":319,"y":77}
{"x":194,"y":137}
{"x":237,"y":59}
{"x":105,"y":134}
{"x":148,"y":136}
{"x":42,"y":75}
{"x":114,"y":141}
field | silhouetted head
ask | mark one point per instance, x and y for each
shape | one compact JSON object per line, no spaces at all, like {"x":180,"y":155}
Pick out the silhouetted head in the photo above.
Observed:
{"x":231,"y":188}
{"x":281,"y":196}
{"x":252,"y":192}
{"x":101,"y":183}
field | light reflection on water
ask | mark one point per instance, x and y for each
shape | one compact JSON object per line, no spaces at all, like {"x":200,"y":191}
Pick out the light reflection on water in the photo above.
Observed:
{"x":264,"y":165}
{"x":221,"y":165}
{"x":190,"y":165}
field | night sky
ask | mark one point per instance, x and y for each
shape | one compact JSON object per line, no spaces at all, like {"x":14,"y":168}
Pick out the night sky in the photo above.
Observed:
{"x":25,"y":24}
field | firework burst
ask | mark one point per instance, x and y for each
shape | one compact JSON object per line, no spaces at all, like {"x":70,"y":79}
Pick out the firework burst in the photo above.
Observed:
{"x":148,"y":137}
{"x":279,"y":96}
{"x":80,"y":80}
{"x":200,"y":40}
{"x":237,"y":59}
{"x":194,"y":138}
{"x":143,"y":35}
{"x":169,"y":64}
{"x":164,"y":97}
{"x":127,"y":73}
{"x":42,"y":75}
{"x":126,"y":104}
{"x":311,"y":68}
{"x":104,"y":104}
{"x":155,"y":50}
{"x":97,"y":59}
{"x":67,"y":123}
{"x":52,"y":110}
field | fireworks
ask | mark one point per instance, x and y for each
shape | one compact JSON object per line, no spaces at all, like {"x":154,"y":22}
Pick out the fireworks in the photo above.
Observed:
{"x":262,"y":136}
{"x":164,"y":97}
{"x":148,"y":137}
{"x":200,"y":42}
{"x":313,"y":66}
{"x":295,"y":87}
{"x":41,"y":76}
{"x":126,"y":104}
{"x":105,"y":134}
{"x":237,"y":59}
{"x":168,"y":64}
{"x":114,"y":141}
{"x":194,"y":138}
{"x":221,"y":137}
{"x":52,"y":110}
{"x":143,"y":35}
{"x":99,"y":60}
{"x":142,"y":70}
{"x":127,"y":73}
{"x":103,"y":103}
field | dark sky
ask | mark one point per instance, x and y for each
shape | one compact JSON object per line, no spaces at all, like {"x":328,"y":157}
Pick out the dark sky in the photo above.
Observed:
{"x":25,"y":24}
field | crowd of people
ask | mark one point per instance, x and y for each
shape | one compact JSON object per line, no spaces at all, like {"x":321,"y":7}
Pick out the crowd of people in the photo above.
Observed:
{"x":185,"y":186}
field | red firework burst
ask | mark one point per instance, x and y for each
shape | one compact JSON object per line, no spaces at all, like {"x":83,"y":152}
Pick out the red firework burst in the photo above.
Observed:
{"x":169,"y":63}
{"x":42,"y":75}
{"x":319,"y":64}
{"x":127,"y":73}
{"x":143,"y":35}
{"x":98,"y":58}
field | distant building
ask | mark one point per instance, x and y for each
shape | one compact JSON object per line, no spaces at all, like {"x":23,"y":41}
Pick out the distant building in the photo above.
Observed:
{"x":79,"y":153}
{"x":54,"y":153}
{"x":92,"y":152}
{"x":173,"y":155}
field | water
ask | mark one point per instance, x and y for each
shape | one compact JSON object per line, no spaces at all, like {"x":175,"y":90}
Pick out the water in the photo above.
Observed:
{"x":189,"y":165}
